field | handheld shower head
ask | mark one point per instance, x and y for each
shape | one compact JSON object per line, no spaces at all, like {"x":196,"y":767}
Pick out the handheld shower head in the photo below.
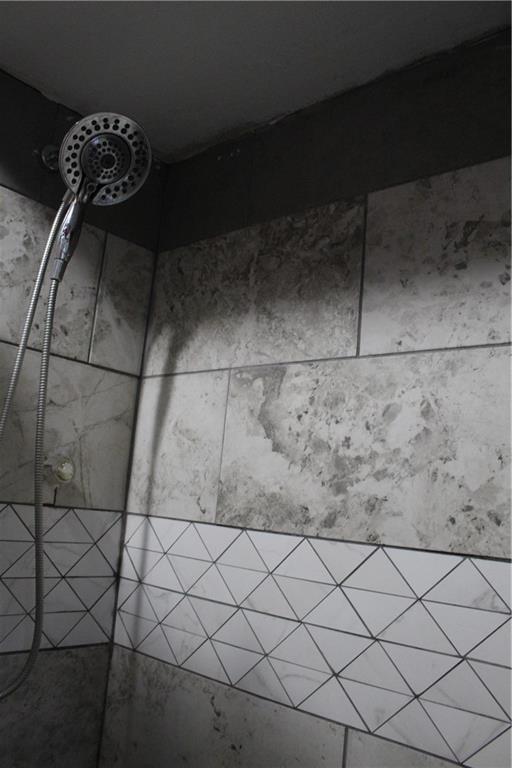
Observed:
{"x":105,"y":158}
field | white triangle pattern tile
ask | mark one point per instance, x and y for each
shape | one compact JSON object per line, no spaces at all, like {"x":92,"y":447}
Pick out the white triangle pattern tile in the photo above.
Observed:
{"x":376,"y":705}
{"x":268,"y":598}
{"x":465,"y":732}
{"x":206,"y":662}
{"x":183,"y":644}
{"x":163,"y":575}
{"x":211,"y":615}
{"x":416,"y":627}
{"x":466,"y":586}
{"x":9,"y":605}
{"x":498,"y":680}
{"x":237,"y":631}
{"x":139,"y":605}
{"x":146,"y":538}
{"x":331,"y":701}
{"x":211,"y":586}
{"x":422,"y":569}
{"x":263,"y":681}
{"x":273,"y":547}
{"x":499,"y":575}
{"x":240,"y":581}
{"x":11,"y":527}
{"x":156,"y":645}
{"x":86,"y":632}
{"x":184,"y":617}
{"x":299,"y":648}
{"x":187,"y":570}
{"x":378,"y":574}
{"x":335,"y":612}
{"x":90,"y":590}
{"x":375,"y":668}
{"x":299,"y":682}
{"x":465,"y":627}
{"x":496,"y":754}
{"x":420,"y":668}
{"x":338,"y":648}
{"x":270,"y":630}
{"x":377,"y":610}
{"x":167,"y":531}
{"x":463,"y":689}
{"x":303,"y":596}
{"x":189,"y":544}
{"x":162,"y":600}
{"x":341,"y":558}
{"x":413,"y":727}
{"x":103,"y":611}
{"x":216,"y":538}
{"x":304,"y":563}
{"x":243,"y":554}
{"x":496,"y":648}
{"x":236,"y":661}
{"x":137,"y":628}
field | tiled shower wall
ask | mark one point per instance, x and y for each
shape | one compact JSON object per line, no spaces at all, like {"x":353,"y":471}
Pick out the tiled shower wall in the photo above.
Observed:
{"x":97,"y":350}
{"x":341,"y":374}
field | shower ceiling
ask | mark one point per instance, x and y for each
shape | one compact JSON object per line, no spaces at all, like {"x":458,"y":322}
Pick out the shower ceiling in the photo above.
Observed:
{"x":195,"y":72}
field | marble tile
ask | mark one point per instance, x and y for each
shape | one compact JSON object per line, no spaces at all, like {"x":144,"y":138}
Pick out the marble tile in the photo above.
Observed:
{"x":283,"y":290}
{"x":54,"y":719}
{"x":123,"y":299}
{"x":437,"y":267}
{"x":177,"y":446}
{"x":24,"y":227}
{"x":89,"y":418}
{"x":212,"y":724}
{"x":410,"y":450}
{"x":365,"y":751}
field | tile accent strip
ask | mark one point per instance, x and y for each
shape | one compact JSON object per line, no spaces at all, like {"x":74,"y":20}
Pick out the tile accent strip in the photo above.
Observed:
{"x":410,"y":645}
{"x":81,"y":556}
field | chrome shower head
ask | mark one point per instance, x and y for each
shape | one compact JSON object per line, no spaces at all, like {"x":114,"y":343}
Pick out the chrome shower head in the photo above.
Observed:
{"x":104,"y":158}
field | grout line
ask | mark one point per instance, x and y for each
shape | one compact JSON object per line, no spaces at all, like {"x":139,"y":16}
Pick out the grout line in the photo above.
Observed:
{"x":344,"y":754}
{"x":362,"y":278}
{"x":338,"y":358}
{"x":99,"y":286}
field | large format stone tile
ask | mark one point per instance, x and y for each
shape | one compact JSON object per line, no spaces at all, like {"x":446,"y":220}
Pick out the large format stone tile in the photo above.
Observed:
{"x":158,"y":715}
{"x":54,"y":719}
{"x":123,"y":299}
{"x":24,"y":227}
{"x":89,"y":418}
{"x":284,"y":290}
{"x":365,"y":751}
{"x":408,"y":449}
{"x":178,"y":439}
{"x":438,"y":262}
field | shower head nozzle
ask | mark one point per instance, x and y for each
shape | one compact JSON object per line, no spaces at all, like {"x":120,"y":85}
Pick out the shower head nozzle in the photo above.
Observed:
{"x":105,"y":158}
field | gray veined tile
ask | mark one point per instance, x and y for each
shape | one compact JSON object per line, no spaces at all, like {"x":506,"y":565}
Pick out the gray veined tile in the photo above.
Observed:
{"x":420,"y":668}
{"x":92,"y":564}
{"x":498,"y":681}
{"x":303,"y":596}
{"x":183,"y":644}
{"x":240,"y":581}
{"x":236,"y":661}
{"x":412,"y":726}
{"x":57,"y":625}
{"x":211,"y":615}
{"x":189,"y":544}
{"x":211,"y":586}
{"x":64,"y":556}
{"x":143,"y":560}
{"x":263,"y":681}
{"x":163,"y":575}
{"x":417,"y":628}
{"x":217,"y":538}
{"x":62,"y":598}
{"x":85,"y":632}
{"x":123,"y":296}
{"x":375,"y":668}
{"x":184,"y":617}
{"x":11,"y":527}
{"x":466,"y":586}
{"x":242,"y":553}
{"x":376,"y":705}
{"x":497,"y":754}
{"x":299,"y":682}
{"x":162,"y":600}
{"x":156,"y":645}
{"x":299,"y":648}
{"x":188,"y":570}
{"x":331,"y":701}
{"x":377,"y":610}
{"x":462,"y":688}
{"x":237,"y":631}
{"x":206,"y":662}
{"x":341,"y":558}
{"x":338,"y":648}
{"x":8,"y":603}
{"x":121,"y":636}
{"x":273,"y":547}
{"x":422,"y":569}
{"x":437,"y":261}
{"x":10,"y":552}
{"x":138,"y":603}
{"x":270,"y":630}
{"x":167,"y":531}
{"x":268,"y":598}
{"x":145,"y":537}
{"x":335,"y":612}
{"x":465,"y":627}
{"x":465,"y":732}
{"x":377,"y":573}
{"x":136,"y":627}
{"x":304,"y":563}
{"x":496,"y":648}
{"x":499,"y":575}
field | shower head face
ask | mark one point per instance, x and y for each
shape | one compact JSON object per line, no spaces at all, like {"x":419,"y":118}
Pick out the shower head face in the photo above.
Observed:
{"x":105,"y":158}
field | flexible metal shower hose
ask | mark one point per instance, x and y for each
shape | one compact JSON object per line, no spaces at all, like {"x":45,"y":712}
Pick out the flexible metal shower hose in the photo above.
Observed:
{"x":39,"y":438}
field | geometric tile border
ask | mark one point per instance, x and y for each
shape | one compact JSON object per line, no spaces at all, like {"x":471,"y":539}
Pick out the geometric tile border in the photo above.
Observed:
{"x":410,"y":645}
{"x":81,"y":557}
